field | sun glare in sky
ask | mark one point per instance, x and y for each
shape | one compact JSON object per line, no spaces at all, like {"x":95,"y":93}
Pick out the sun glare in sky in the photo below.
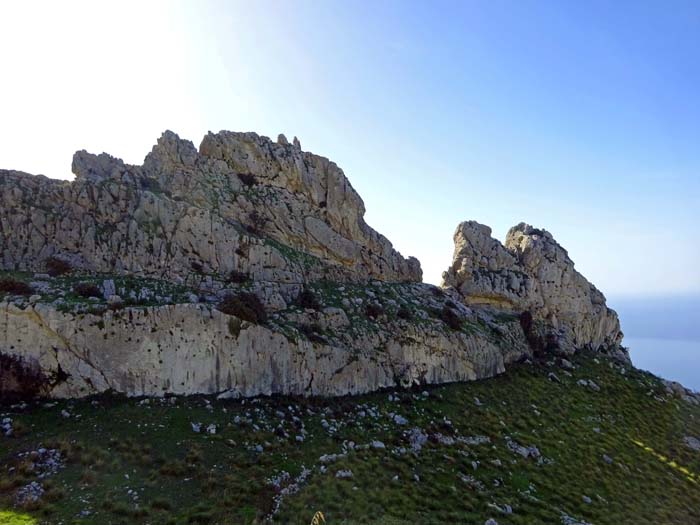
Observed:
{"x":580,"y":119}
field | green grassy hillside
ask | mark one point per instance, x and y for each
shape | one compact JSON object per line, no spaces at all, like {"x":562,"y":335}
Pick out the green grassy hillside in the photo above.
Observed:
{"x":520,"y":448}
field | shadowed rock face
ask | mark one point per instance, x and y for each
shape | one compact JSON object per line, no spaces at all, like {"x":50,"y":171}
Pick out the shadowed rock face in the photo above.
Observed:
{"x":532,"y":273}
{"x":242,"y":203}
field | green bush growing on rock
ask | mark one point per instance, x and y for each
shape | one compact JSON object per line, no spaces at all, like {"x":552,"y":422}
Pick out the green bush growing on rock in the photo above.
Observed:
{"x":236,"y":277}
{"x":404,"y":313}
{"x":244,"y":305}
{"x":56,"y":267}
{"x":248,"y":179}
{"x":437,"y":292}
{"x":234,"y":326}
{"x":14,"y":287}
{"x":307,"y":299}
{"x":87,"y":290}
{"x":313,"y":333}
{"x":450,"y":318}
{"x":256,"y":223}
{"x":374,"y":310}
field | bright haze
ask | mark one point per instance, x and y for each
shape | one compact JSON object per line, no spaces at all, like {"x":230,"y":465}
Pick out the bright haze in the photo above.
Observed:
{"x":579,"y":117}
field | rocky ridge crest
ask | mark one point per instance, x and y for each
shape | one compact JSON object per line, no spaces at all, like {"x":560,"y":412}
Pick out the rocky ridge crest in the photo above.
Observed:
{"x":242,"y":203}
{"x":163,"y":265}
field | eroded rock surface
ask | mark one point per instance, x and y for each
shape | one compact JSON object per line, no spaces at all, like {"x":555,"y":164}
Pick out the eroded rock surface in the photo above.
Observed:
{"x":194,"y":348}
{"x":242,"y":203}
{"x":246,"y":268}
{"x":532,"y":273}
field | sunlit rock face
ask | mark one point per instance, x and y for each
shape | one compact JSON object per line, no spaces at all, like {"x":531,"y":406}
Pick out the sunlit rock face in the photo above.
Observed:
{"x":196,"y":349}
{"x":533,"y":273}
{"x":155,"y":252}
{"x":241,"y":203}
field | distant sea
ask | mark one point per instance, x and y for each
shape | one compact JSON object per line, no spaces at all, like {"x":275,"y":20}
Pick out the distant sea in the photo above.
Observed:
{"x":674,"y":359}
{"x":663,"y":335}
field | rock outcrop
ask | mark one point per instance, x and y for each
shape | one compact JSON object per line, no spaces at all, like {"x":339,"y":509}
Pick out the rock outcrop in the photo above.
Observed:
{"x":246,"y":268}
{"x":194,"y":348}
{"x":532,"y":273}
{"x":242,"y":203}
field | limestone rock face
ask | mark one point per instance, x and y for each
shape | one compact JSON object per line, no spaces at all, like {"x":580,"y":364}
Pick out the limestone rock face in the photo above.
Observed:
{"x":192,"y":348}
{"x":533,"y":273}
{"x":241,"y":203}
{"x":156,"y":254}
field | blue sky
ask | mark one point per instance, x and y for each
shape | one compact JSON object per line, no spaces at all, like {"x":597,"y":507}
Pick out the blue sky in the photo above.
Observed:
{"x":579,"y":117}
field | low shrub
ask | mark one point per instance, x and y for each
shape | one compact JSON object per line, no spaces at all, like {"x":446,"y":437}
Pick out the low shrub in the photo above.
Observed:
{"x":307,"y":299}
{"x":20,"y":379}
{"x":404,"y":313}
{"x":248,"y":179}
{"x":374,"y":310}
{"x":236,"y":277}
{"x":256,"y":223}
{"x":244,"y":305}
{"x":161,"y":504}
{"x":437,"y":292}
{"x":56,"y":266}
{"x":15,"y":287}
{"x":87,"y":290}
{"x":450,"y":318}
{"x":313,"y":333}
{"x":540,"y":342}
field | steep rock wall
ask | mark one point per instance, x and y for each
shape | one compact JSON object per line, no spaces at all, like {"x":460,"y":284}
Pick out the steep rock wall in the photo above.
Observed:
{"x":532,"y":273}
{"x":242,"y":203}
{"x":191,"y":349}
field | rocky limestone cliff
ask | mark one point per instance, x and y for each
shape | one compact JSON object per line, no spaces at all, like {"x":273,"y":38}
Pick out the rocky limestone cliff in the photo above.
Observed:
{"x":246,"y":268}
{"x":532,"y":273}
{"x":190,"y":348}
{"x":242,"y":203}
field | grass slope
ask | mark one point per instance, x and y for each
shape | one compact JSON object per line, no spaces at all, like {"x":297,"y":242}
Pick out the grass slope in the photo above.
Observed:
{"x":615,"y":456}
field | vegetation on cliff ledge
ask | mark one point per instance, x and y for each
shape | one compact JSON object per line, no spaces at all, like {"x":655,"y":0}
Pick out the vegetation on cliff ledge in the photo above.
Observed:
{"x":590,"y":443}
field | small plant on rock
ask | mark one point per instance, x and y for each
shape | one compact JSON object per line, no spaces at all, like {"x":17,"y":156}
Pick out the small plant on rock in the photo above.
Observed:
{"x":248,"y":179}
{"x":307,"y":299}
{"x":313,"y":333}
{"x":451,"y":318}
{"x":244,"y":305}
{"x":374,"y":310}
{"x":15,"y":287}
{"x":87,"y":290}
{"x":404,"y":313}
{"x":256,"y":222}
{"x":56,"y":266}
{"x":236,"y":277}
